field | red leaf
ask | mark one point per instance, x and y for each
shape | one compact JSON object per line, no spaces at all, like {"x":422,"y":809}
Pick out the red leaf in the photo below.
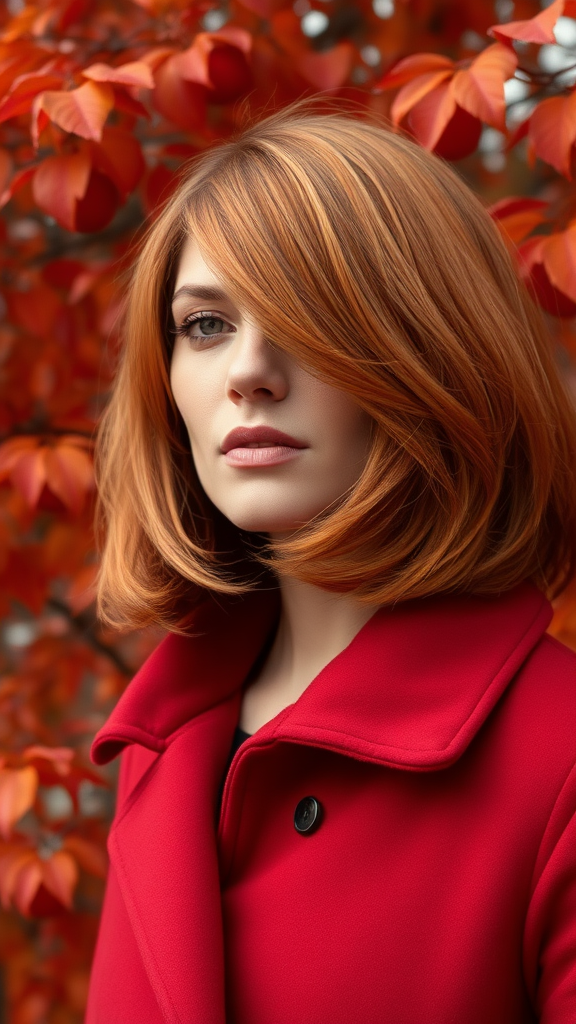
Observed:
{"x":180,"y":101}
{"x":29,"y":475}
{"x":532,"y":261}
{"x":98,"y":205}
{"x":158,"y":185}
{"x":460,"y":136}
{"x":60,"y":875}
{"x":119,"y":156}
{"x":20,"y":179}
{"x":416,"y":90}
{"x":59,"y":182}
{"x":35,"y":310}
{"x":230,"y":74}
{"x":58,"y":757}
{"x":18,"y":788}
{"x":69,"y":475}
{"x":480,"y":88}
{"x":135,"y":73}
{"x":82,"y":111}
{"x":536,"y":30}
{"x":12,"y":861}
{"x":265,"y":8}
{"x":552,"y":131}
{"x":12,"y":450}
{"x":194,"y":64}
{"x":91,"y":858}
{"x":412,"y":67}
{"x":328,"y":69}
{"x":5,"y":169}
{"x":81,"y":592}
{"x":125,"y":102}
{"x":18,"y":100}
{"x":27,"y":883}
{"x":429,"y":117}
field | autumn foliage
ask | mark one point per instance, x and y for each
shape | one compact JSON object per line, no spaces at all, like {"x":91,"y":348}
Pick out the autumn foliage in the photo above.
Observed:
{"x":101,"y":101}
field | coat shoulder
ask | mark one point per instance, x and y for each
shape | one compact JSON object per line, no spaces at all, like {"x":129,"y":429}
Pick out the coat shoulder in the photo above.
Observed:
{"x":543,"y":697}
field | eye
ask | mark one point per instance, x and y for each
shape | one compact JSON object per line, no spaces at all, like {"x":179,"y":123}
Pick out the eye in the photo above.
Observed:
{"x":198,"y":326}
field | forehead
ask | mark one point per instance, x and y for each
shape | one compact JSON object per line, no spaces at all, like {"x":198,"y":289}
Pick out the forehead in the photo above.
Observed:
{"x":192,"y":267}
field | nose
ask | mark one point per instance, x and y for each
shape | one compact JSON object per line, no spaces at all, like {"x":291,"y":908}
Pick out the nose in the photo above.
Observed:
{"x":257,"y":369}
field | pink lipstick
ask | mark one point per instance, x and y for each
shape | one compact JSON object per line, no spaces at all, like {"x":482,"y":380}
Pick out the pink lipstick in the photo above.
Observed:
{"x":252,"y":447}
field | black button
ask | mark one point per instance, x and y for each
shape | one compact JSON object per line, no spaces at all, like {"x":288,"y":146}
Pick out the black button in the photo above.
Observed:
{"x":307,"y":815}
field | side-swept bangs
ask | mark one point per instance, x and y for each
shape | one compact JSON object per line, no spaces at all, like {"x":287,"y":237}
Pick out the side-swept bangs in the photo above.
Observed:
{"x":369,"y":261}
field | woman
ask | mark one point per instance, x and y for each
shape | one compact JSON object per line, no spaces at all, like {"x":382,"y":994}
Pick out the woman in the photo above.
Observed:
{"x":338,"y":466}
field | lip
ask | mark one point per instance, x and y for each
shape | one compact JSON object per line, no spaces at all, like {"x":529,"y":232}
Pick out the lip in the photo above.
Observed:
{"x":243,"y":437}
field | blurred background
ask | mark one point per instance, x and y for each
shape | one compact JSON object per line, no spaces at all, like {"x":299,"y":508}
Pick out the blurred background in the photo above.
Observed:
{"x":101,"y":101}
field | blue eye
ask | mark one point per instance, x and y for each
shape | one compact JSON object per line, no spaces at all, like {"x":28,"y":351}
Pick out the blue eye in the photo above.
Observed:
{"x":203,"y":325}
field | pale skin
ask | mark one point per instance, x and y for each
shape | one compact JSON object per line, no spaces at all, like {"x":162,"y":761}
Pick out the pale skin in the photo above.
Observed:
{"x":226,"y":375}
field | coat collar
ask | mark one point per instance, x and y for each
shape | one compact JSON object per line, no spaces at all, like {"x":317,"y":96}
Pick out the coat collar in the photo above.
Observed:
{"x":411,"y":690}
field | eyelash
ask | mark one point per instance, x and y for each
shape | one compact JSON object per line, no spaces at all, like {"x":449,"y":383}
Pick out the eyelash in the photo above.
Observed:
{"x":183,"y":329}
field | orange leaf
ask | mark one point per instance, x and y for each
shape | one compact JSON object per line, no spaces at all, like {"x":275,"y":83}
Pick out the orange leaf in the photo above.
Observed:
{"x":414,"y":91}
{"x":480,"y":88}
{"x":91,"y":858}
{"x":20,"y":96}
{"x":27,"y":883}
{"x":430,"y":116}
{"x":533,"y":254}
{"x":60,"y":875}
{"x":59,"y":182}
{"x":81,"y":592}
{"x":17,"y":793}
{"x":12,"y":860}
{"x":517,"y":217}
{"x":82,"y":111}
{"x":536,"y":30}
{"x":411,"y":67}
{"x":328,"y":69}
{"x":560,"y":260}
{"x":18,"y":181}
{"x":29,"y":475}
{"x":11,"y":450}
{"x":552,"y":131}
{"x":136,"y":73}
{"x":69,"y":474}
{"x":193,"y":64}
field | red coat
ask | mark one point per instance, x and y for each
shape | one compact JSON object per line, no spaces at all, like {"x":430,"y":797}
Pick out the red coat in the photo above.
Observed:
{"x":439,"y":884}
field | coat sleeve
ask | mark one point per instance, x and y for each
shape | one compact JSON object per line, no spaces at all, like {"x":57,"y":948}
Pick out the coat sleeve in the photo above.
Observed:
{"x":550,"y":934}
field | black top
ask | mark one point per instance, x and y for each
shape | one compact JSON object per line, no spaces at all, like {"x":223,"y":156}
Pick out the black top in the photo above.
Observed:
{"x":238,"y":739}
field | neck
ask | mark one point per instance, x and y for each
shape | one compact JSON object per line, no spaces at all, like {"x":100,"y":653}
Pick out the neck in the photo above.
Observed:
{"x":314,"y":627}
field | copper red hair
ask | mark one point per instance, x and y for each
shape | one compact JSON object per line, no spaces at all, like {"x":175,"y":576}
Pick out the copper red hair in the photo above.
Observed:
{"x":369,"y":260}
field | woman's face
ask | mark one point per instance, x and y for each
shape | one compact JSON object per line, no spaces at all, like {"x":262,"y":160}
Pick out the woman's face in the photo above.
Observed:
{"x":273,"y":446}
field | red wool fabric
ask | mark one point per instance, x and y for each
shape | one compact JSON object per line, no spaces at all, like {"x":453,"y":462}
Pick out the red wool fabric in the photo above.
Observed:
{"x":440,"y":884}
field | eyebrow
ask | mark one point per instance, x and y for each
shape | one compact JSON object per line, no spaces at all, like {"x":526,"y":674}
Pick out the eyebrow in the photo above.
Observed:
{"x":203,"y":292}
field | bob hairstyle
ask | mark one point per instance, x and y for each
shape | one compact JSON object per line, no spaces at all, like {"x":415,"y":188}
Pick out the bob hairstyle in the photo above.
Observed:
{"x":369,"y":261}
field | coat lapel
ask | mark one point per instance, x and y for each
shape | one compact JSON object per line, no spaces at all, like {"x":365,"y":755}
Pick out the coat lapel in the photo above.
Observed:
{"x":163,"y":848}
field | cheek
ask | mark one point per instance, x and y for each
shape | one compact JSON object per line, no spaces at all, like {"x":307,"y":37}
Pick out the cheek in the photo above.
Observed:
{"x":191,"y":395}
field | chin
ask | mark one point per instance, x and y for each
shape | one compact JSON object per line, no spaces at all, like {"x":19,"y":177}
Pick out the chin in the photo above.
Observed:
{"x":261,"y":520}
